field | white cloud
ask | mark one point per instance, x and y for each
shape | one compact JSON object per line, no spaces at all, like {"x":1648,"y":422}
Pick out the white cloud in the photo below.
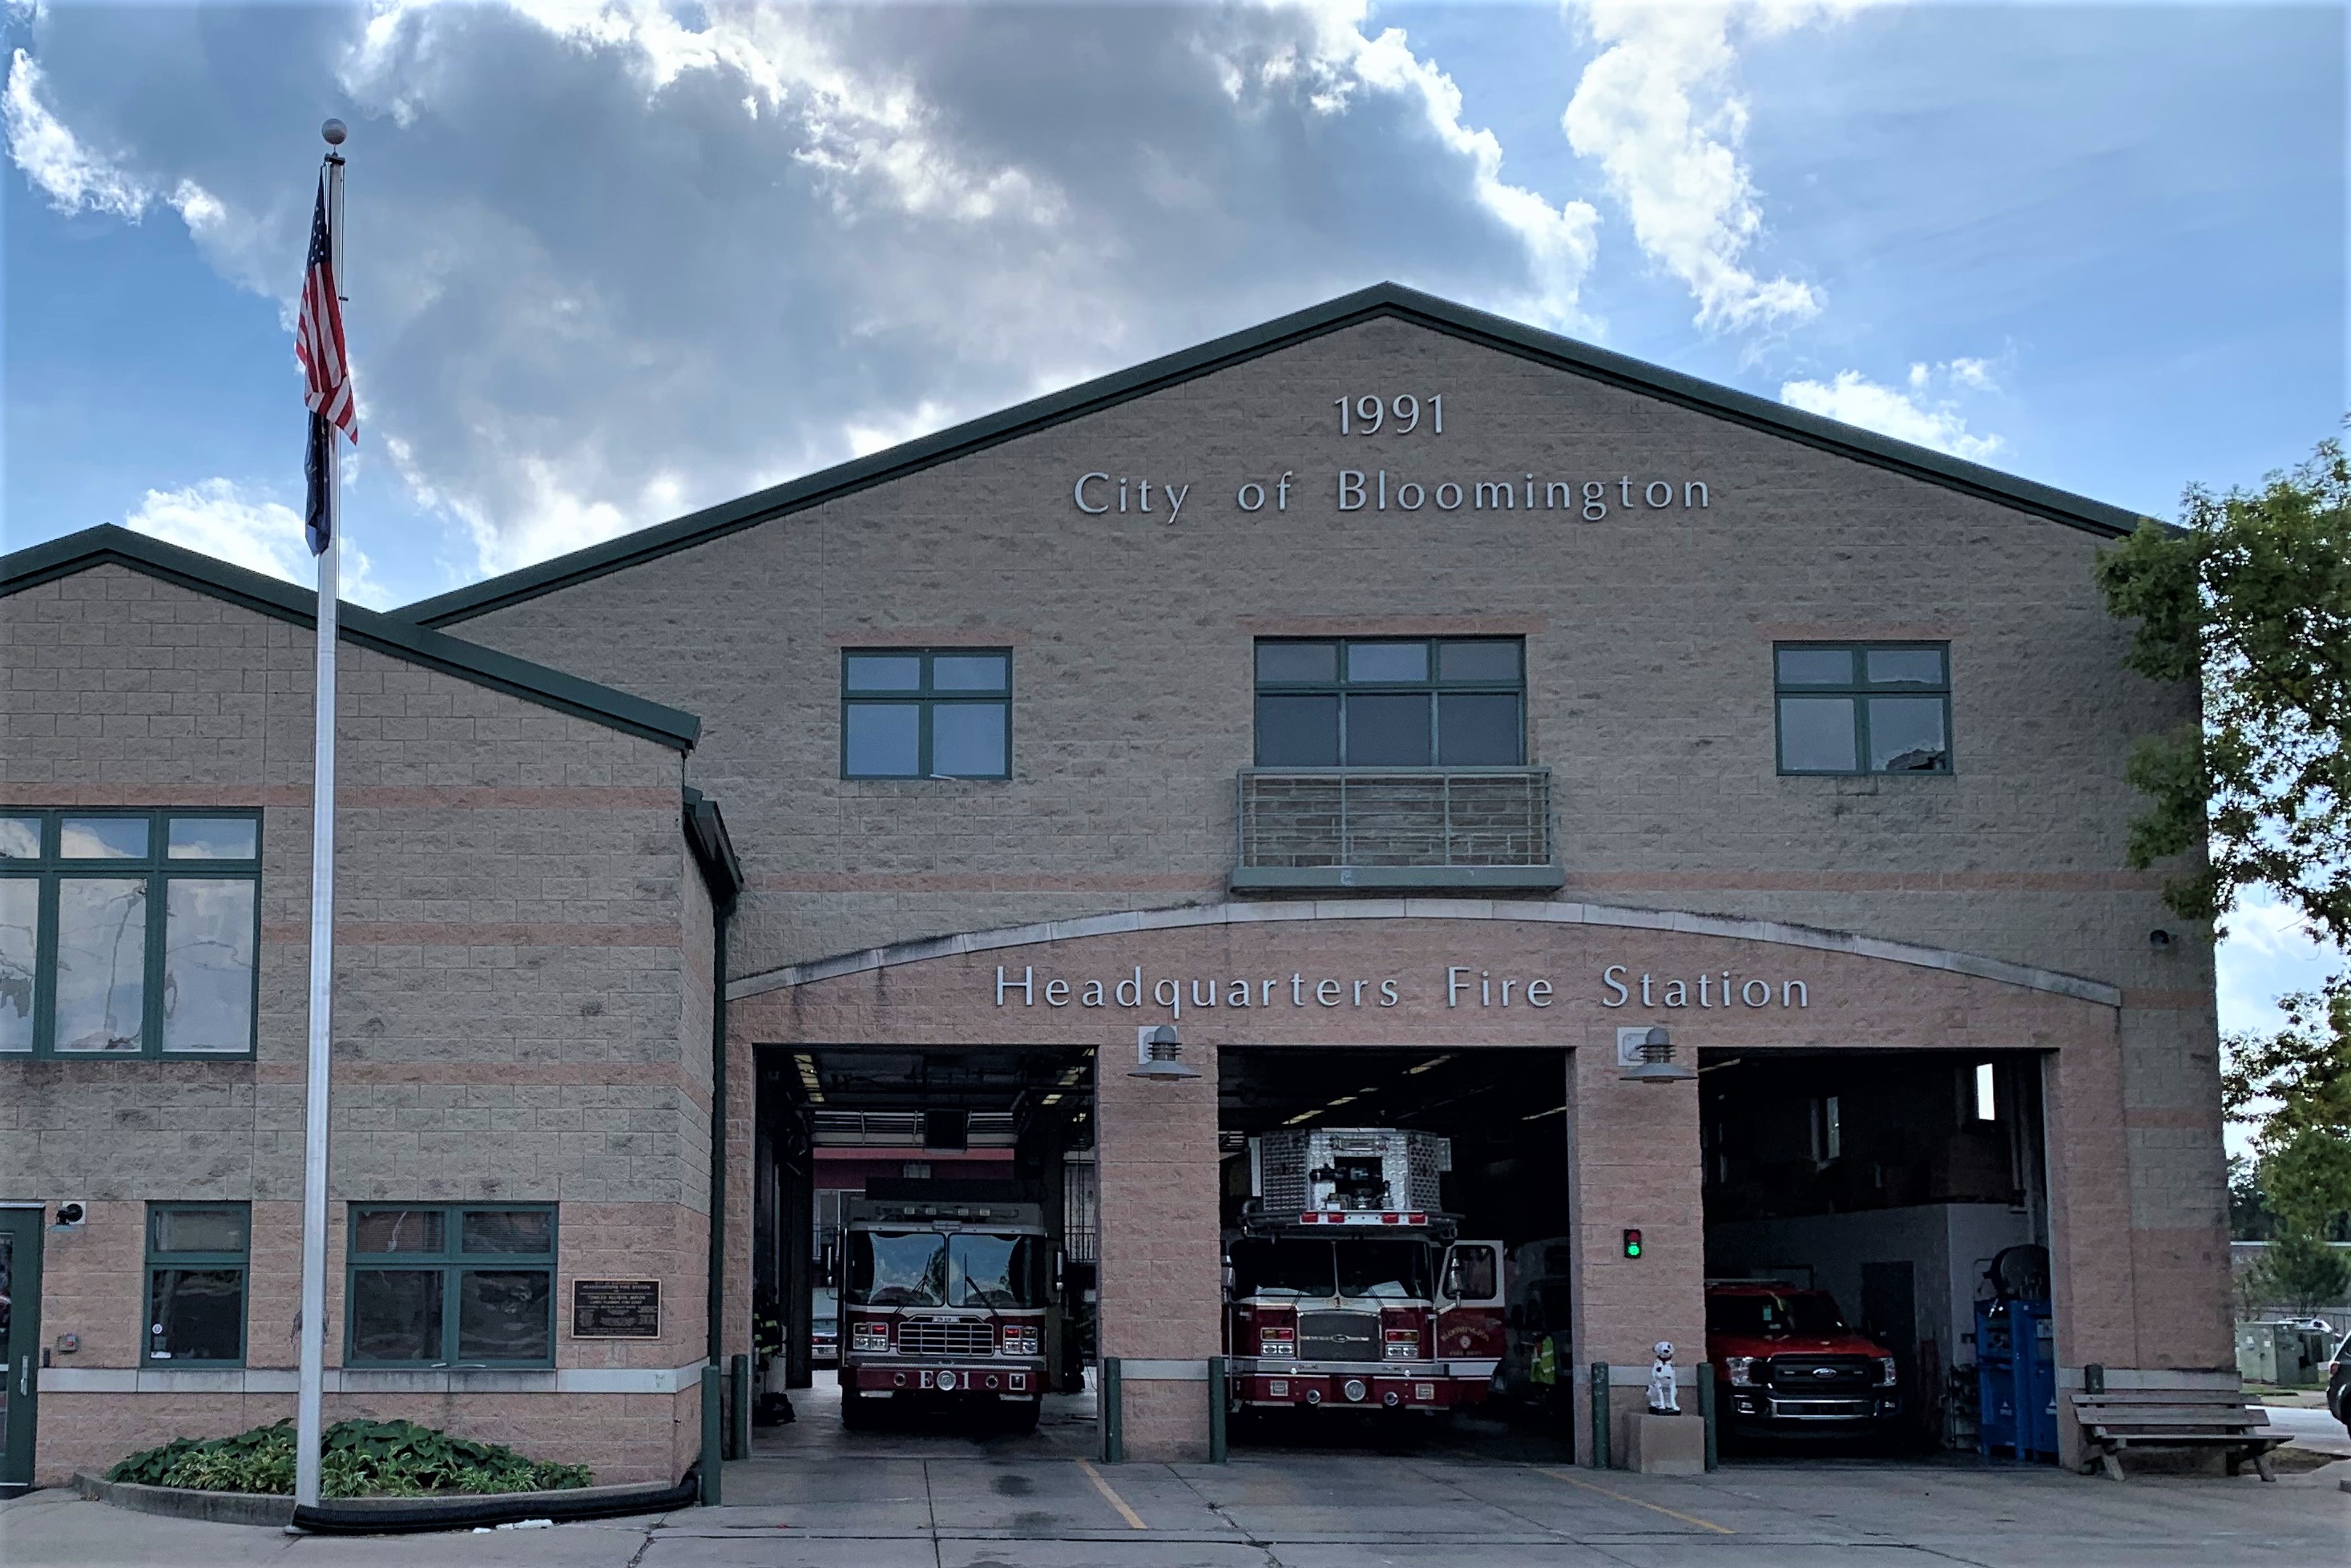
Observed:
{"x":1922,"y":415}
{"x":1658,"y":108}
{"x":216,"y":517}
{"x":55,"y":160}
{"x":74,"y":178}
{"x":586,"y":283}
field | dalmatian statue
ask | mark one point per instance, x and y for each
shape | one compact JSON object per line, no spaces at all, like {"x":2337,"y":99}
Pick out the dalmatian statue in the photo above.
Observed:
{"x":1662,"y":1400}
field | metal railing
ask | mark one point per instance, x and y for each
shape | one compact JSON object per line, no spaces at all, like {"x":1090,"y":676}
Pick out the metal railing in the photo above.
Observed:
{"x":1405,"y":817}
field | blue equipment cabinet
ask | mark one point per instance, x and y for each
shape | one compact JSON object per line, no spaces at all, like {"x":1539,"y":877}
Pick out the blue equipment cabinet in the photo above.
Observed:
{"x":2016,"y":1380}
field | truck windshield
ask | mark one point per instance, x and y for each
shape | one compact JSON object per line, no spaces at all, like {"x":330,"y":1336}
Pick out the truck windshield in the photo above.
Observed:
{"x":1384,"y":1271}
{"x":991,"y":1271}
{"x":897,"y":1269}
{"x":1770,"y":1314}
{"x":1273,"y":1267}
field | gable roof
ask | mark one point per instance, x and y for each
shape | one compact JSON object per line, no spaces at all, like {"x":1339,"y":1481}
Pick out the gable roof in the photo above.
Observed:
{"x":110,"y":545}
{"x":1384,"y":299}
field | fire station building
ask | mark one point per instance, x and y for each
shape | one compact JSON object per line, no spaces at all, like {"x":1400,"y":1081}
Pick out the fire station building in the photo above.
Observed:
{"x":1428,"y":719}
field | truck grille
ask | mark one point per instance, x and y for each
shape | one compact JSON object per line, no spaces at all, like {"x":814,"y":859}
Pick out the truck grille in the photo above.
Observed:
{"x":947,"y":1336}
{"x":1338,"y":1337}
{"x":1800,"y":1375}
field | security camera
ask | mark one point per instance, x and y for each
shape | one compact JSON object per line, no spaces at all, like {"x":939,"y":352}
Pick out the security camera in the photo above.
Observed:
{"x":70,"y":1213}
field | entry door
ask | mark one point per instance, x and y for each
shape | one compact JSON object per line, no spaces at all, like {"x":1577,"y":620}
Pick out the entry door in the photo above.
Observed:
{"x":20,"y":1337}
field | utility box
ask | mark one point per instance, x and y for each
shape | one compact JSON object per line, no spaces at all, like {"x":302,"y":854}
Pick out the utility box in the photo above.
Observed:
{"x":1348,"y":1170}
{"x":2284,"y":1355}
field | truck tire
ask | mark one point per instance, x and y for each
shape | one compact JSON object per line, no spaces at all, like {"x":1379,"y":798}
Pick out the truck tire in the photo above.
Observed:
{"x":1020,"y":1416}
{"x":856,"y":1411}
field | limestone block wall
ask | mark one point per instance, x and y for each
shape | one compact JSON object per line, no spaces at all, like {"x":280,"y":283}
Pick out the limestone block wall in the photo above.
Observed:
{"x":1648,"y":637}
{"x":522,"y":1008}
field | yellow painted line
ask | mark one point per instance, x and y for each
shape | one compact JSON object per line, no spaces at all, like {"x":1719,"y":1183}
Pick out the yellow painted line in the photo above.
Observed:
{"x":1637,"y":1502}
{"x":1116,"y":1502}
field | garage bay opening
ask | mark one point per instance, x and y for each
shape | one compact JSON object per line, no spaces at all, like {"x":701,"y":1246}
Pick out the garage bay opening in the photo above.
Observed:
{"x":923,"y":1251}
{"x":1393,"y":1224}
{"x":1876,"y":1253}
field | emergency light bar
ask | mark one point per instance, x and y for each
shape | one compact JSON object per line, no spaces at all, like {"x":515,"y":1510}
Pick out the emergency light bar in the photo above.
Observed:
{"x":1351,"y":1216}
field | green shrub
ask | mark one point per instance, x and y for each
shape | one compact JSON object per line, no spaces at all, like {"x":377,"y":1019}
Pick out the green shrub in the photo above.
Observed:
{"x":356,"y":1459}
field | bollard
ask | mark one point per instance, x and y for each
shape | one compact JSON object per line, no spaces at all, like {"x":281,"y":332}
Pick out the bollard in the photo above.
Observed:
{"x":738,"y":1415}
{"x":711,"y":1435}
{"x":1705,"y":1414}
{"x":1216,"y":1409}
{"x":1600,"y":1413}
{"x":1113,"y":1425}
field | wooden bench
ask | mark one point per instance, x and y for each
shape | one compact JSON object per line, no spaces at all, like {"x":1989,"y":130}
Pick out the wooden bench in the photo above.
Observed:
{"x":2173,"y":1419}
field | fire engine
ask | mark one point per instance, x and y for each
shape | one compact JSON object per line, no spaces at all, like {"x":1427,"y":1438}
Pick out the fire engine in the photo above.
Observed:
{"x":1347,"y":1287}
{"x":942,"y":1303}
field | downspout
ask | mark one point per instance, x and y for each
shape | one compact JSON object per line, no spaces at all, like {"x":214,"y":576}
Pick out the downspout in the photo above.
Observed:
{"x":705,"y":833}
{"x":718,"y":1130}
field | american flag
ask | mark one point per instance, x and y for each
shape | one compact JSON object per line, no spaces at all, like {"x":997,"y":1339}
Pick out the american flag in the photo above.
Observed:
{"x":326,"y":372}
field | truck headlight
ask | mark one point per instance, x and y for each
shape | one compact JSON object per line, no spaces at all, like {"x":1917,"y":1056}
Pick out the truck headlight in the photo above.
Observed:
{"x":1886,"y":1372}
{"x":1741,"y":1369}
{"x":870,"y":1337}
{"x":1402,"y":1345}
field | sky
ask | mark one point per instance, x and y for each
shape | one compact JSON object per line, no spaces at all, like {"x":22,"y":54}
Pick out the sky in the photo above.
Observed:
{"x":609,"y":263}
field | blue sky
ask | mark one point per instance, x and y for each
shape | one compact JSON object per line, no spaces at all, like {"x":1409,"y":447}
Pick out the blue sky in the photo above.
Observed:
{"x":611,"y":262}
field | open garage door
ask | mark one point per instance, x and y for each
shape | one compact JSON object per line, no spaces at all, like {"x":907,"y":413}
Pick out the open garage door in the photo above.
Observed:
{"x":1876,"y":1233}
{"x":1424,"y":1302}
{"x":919,"y":1272}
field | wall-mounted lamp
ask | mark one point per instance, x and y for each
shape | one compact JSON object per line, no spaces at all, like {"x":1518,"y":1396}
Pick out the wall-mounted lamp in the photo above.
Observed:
{"x":1648,"y":1057}
{"x":1158,"y":1048}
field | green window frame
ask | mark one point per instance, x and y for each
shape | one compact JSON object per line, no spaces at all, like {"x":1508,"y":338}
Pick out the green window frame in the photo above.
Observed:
{"x":1855,"y":708}
{"x":1384,"y":703}
{"x":927,"y":713}
{"x":450,"y":1285}
{"x":129,"y":932}
{"x":199,"y":1263}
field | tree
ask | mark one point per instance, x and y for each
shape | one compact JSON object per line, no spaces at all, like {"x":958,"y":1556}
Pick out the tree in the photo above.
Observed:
{"x":2250,"y":596}
{"x":2250,"y":1218}
{"x":2300,"y":1272}
{"x":2294,"y":1088}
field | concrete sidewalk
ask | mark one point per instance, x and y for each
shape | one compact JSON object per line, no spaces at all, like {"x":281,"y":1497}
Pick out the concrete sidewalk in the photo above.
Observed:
{"x":959,"y":1507}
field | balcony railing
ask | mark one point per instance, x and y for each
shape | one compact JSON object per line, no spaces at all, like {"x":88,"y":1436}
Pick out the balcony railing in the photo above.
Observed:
{"x":1307,"y":828}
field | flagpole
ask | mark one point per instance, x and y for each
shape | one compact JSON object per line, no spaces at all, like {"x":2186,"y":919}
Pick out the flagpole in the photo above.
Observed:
{"x":308,"y":1429}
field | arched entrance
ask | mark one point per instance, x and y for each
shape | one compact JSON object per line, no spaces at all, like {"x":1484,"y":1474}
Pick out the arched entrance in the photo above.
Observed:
{"x":1462,"y":976}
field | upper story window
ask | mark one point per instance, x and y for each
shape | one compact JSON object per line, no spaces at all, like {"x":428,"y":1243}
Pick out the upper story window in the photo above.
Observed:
{"x":1392,"y":701}
{"x":1863,"y":708}
{"x":129,"y":933}
{"x":927,"y":713}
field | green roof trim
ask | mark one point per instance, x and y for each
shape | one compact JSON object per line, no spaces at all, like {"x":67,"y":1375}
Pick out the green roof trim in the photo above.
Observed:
{"x":1384,"y":299}
{"x":714,"y":848}
{"x":108,"y":544}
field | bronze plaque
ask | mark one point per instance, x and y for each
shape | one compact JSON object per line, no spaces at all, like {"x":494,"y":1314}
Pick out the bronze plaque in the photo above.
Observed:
{"x":616,"y":1309}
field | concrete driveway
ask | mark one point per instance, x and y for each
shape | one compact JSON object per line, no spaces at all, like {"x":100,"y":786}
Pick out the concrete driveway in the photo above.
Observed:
{"x":918,"y":1498}
{"x":980,"y":1511}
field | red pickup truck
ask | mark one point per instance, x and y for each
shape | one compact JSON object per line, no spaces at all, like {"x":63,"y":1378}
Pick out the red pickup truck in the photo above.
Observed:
{"x":1785,"y":1365}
